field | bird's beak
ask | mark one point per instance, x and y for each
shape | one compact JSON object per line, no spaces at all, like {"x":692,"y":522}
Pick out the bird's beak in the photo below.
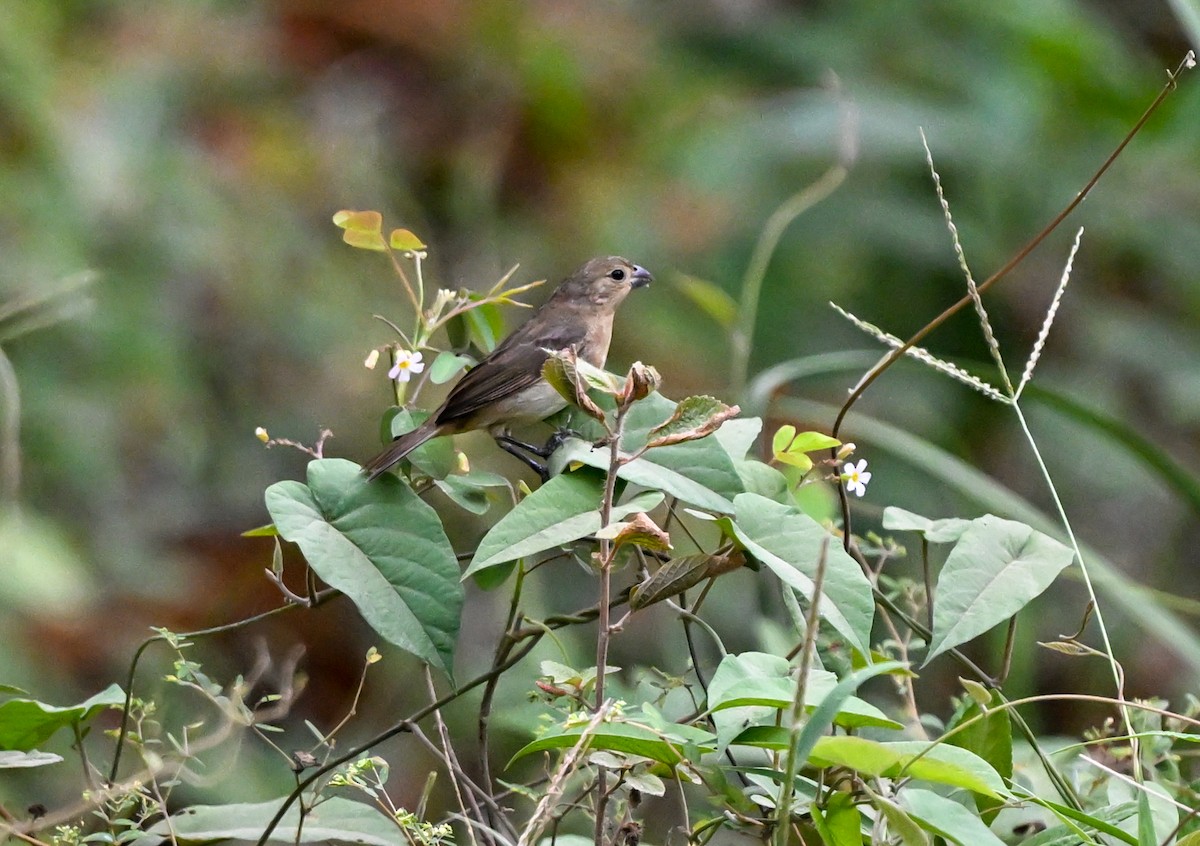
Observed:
{"x":641,"y":277}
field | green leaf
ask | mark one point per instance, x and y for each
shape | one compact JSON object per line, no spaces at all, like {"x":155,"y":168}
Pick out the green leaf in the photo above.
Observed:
{"x":900,"y":823}
{"x":564,"y":509}
{"x":267,"y":531}
{"x":989,"y":737}
{"x":665,"y":744}
{"x":791,"y":544}
{"x":27,"y":723}
{"x":405,"y":241}
{"x":1157,"y":816}
{"x":692,"y":419}
{"x":758,"y":684}
{"x":14,"y":759}
{"x":435,"y":458}
{"x":763,"y":479}
{"x":463,"y":494}
{"x":994,"y":570}
{"x":812,"y":441}
{"x":738,"y":436}
{"x":783,"y":437}
{"x":948,"y":530}
{"x":801,"y":745}
{"x":485,"y":325}
{"x":840,"y":823}
{"x":382,"y":546}
{"x":447,"y":365}
{"x":938,"y":763}
{"x":337,"y":819}
{"x":947,"y":818}
{"x":1101,"y":820}
{"x":679,"y":574}
{"x":467,"y":489}
{"x":363,"y":229}
{"x":698,"y":472}
{"x":795,"y":459}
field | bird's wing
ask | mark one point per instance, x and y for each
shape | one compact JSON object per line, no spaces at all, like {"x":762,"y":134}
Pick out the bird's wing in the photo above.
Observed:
{"x":511,"y":368}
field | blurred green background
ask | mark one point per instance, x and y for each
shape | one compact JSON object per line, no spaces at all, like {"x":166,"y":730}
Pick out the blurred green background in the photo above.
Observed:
{"x":171,"y":278}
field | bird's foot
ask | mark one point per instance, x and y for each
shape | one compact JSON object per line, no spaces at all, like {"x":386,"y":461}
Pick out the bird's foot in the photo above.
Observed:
{"x":557,"y":439}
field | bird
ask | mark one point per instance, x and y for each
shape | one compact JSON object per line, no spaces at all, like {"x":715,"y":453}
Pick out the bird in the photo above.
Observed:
{"x":507,"y":387}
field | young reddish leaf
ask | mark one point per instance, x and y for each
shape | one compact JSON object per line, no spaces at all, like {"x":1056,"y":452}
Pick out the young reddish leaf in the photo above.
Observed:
{"x":640,"y":531}
{"x":641,"y":381}
{"x":562,"y":371}
{"x":363,"y":229}
{"x":694,"y":418}
{"x":405,"y":241}
{"x":359,"y":221}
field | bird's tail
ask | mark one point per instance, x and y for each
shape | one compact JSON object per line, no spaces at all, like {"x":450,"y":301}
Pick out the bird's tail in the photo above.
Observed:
{"x":399,"y":448}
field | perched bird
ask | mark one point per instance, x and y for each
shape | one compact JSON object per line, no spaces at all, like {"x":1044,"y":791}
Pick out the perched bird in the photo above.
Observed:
{"x":507,"y":387}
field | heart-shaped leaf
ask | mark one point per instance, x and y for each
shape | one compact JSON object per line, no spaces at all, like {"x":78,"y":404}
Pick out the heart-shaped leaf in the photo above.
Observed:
{"x":383,"y":547}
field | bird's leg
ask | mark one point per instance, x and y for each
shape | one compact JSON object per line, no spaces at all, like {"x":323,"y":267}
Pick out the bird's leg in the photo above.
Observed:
{"x":519,"y":449}
{"x":546,"y":450}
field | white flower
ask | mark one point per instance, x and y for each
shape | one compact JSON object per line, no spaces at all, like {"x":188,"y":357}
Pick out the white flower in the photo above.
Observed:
{"x":261,"y":434}
{"x":407,"y":363}
{"x":856,"y":477}
{"x":372,"y":359}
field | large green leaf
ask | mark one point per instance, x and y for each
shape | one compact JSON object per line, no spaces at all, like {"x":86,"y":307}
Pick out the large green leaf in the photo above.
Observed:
{"x":791,"y":544}
{"x":337,"y":819}
{"x":27,"y":723}
{"x":564,"y":509}
{"x":15,"y":760}
{"x":947,"y":818}
{"x":649,"y":738}
{"x":698,"y":472}
{"x":988,"y":735}
{"x":942,"y":764}
{"x":994,"y":570}
{"x":752,"y":687}
{"x":383,"y":547}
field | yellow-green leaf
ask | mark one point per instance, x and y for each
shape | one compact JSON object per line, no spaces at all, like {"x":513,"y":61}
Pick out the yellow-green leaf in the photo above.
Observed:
{"x":405,"y":240}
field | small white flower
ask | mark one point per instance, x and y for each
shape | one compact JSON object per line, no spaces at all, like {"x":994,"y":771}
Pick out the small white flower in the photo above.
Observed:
{"x":846,"y":449}
{"x":372,"y":359}
{"x":261,"y":434}
{"x":856,"y":476}
{"x":407,"y":363}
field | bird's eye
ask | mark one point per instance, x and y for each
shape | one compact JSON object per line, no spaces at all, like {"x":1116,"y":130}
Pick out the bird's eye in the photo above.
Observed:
{"x":618,"y":274}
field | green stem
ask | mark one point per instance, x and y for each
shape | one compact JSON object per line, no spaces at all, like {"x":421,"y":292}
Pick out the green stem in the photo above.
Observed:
{"x":756,"y":270}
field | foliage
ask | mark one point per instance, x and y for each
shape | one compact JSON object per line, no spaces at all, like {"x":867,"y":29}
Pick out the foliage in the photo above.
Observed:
{"x":660,"y":498}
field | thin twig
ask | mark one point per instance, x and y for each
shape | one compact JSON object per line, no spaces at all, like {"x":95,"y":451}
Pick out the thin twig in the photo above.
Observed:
{"x":783,"y":810}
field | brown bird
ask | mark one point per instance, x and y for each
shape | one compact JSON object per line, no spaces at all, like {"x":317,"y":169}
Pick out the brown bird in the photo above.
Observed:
{"x":507,"y":386}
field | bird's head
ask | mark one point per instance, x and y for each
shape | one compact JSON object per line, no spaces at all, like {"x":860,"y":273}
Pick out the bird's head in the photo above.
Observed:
{"x":604,"y":281}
